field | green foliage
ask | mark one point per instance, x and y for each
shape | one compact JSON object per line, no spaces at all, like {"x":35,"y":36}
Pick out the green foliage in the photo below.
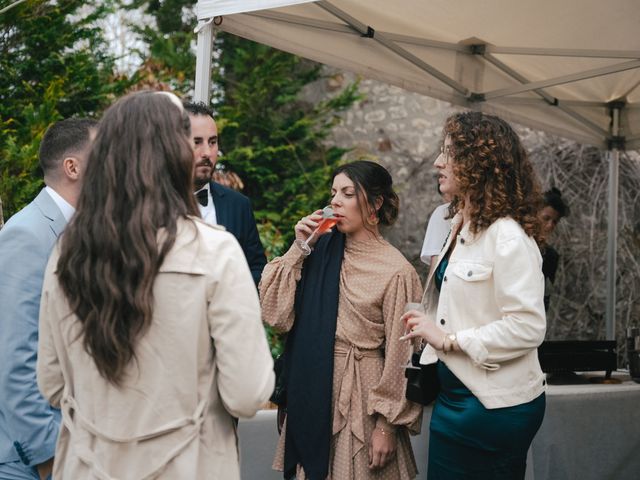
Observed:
{"x":170,"y":43}
{"x":271,"y":138}
{"x":54,"y":65}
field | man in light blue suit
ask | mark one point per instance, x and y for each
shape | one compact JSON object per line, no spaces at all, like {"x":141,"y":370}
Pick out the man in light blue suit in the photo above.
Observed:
{"x":28,"y":424}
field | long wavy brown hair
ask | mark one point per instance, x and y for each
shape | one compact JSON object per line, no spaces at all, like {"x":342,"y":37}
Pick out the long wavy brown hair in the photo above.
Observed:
{"x":493,"y":172}
{"x":138,"y":181}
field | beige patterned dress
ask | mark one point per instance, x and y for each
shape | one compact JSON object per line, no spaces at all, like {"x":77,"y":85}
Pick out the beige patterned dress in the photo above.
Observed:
{"x":368,"y":381}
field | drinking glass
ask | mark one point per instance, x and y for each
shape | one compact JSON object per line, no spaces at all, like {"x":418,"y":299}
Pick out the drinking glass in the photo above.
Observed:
{"x":327,"y":222}
{"x":412,"y":306}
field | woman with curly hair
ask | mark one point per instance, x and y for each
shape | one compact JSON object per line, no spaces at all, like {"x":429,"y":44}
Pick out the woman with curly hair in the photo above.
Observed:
{"x":484,"y":306}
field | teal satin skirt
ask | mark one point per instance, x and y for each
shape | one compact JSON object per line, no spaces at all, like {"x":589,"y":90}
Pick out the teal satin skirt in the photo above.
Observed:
{"x":470,"y":442}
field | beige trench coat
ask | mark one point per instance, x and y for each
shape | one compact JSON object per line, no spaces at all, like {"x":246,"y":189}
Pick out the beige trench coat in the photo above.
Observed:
{"x":203,"y":361}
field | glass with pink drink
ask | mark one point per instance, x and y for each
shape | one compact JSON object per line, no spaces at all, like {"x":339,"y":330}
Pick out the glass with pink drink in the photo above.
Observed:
{"x":328,"y":221}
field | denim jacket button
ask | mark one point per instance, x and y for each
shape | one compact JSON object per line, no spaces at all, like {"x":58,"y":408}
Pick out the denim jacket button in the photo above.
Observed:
{"x":442,"y":321}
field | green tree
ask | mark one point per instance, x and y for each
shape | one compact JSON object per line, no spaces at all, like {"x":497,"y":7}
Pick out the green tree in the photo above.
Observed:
{"x":55,"y":64}
{"x":271,"y":138}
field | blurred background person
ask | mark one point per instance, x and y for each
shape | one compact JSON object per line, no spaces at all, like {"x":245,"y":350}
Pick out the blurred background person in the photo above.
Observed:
{"x":347,"y":415}
{"x":227,"y":177}
{"x":436,"y":234}
{"x":28,"y":424}
{"x":484,"y":306}
{"x":553,"y":210}
{"x":150,"y":332}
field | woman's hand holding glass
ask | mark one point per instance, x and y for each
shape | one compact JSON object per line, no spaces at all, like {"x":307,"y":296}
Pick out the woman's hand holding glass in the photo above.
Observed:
{"x":418,"y":325}
{"x":311,"y":227}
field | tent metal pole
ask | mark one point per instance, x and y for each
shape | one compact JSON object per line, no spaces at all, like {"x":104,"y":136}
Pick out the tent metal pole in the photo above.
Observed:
{"x":548,"y":98}
{"x":204,"y":51}
{"x":612,"y":231}
{"x":367,"y":31}
{"x":596,"y":72}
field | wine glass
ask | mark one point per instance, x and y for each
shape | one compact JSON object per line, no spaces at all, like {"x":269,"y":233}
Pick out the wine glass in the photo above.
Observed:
{"x":420,"y":308}
{"x":327,"y":222}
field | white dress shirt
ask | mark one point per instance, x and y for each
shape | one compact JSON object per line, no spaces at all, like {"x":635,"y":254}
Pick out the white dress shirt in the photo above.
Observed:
{"x":64,"y":206}
{"x":208,"y":213}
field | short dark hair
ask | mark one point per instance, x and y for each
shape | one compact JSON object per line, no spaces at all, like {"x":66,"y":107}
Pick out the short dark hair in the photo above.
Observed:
{"x":553,"y":198}
{"x":198,"y":108}
{"x":63,"y":138}
{"x":373,"y":181}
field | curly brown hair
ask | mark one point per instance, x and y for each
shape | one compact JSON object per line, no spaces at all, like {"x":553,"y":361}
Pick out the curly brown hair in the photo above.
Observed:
{"x":493,"y":172}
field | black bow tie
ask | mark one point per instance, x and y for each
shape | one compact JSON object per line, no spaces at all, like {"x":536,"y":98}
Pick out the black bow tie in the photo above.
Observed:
{"x":203,"y":197}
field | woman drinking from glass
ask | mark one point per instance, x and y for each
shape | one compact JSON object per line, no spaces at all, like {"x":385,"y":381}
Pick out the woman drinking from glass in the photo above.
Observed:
{"x":347,"y":416}
{"x":484,"y":306}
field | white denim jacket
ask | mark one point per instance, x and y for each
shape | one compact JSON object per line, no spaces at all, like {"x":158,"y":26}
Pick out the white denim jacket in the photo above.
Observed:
{"x":492,"y":299}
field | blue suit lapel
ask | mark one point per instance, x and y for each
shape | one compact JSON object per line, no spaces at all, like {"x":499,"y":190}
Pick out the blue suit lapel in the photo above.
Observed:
{"x":51,"y":212}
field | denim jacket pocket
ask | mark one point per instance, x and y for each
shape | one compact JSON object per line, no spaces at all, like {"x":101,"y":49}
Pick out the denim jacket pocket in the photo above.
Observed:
{"x":472,"y":271}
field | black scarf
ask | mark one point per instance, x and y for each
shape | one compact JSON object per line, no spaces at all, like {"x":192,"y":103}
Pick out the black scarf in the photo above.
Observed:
{"x":309,"y":361}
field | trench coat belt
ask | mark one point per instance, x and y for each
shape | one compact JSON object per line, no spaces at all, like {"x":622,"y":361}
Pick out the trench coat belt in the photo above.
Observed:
{"x":84,"y":453}
{"x":349,"y":405}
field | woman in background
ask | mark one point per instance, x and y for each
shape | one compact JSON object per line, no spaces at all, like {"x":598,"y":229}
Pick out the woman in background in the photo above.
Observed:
{"x":553,"y":210}
{"x":484,"y":306}
{"x":347,"y":415}
{"x":135,"y":298}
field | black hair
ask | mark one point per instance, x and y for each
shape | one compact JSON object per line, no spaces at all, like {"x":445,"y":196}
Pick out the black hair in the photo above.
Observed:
{"x":64,"y":138}
{"x":553,"y":198}
{"x":198,"y":108}
{"x":373,"y":181}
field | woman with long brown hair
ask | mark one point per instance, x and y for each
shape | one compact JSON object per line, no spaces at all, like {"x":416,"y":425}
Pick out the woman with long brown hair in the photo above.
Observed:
{"x":484,"y":306}
{"x":135,"y":297}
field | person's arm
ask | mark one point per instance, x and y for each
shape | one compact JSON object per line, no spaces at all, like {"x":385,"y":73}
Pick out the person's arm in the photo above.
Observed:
{"x":30,"y":422}
{"x":243,"y":361}
{"x":436,"y":234}
{"x":387,"y":400}
{"x":278,"y":289}
{"x":281,"y":276}
{"x":519,"y":291}
{"x":49,"y":372}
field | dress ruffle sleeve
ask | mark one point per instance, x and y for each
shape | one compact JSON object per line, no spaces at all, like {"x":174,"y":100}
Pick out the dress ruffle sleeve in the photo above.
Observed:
{"x":278,"y":289}
{"x":387,"y":398}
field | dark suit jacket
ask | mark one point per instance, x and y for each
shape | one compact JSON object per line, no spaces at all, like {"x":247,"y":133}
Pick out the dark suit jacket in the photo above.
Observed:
{"x":234,"y":212}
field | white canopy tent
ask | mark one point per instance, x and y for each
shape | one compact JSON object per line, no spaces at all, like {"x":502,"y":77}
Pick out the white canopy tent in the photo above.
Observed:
{"x":571,"y":67}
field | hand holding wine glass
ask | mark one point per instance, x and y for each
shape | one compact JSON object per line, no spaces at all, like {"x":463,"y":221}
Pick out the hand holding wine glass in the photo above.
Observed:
{"x":309,"y":228}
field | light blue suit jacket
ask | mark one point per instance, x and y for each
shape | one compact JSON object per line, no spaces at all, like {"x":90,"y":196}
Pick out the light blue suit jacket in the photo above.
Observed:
{"x":28,"y":424}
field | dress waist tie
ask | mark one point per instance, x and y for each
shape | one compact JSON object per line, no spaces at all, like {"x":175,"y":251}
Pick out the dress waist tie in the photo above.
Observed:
{"x":350,"y":394}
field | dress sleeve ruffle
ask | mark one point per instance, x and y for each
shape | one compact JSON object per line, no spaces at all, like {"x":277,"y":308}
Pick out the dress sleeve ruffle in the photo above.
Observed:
{"x":387,"y":398}
{"x":278,"y":289}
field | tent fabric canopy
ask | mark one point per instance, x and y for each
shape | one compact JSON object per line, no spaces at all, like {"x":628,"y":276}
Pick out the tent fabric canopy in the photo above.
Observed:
{"x":554,"y":66}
